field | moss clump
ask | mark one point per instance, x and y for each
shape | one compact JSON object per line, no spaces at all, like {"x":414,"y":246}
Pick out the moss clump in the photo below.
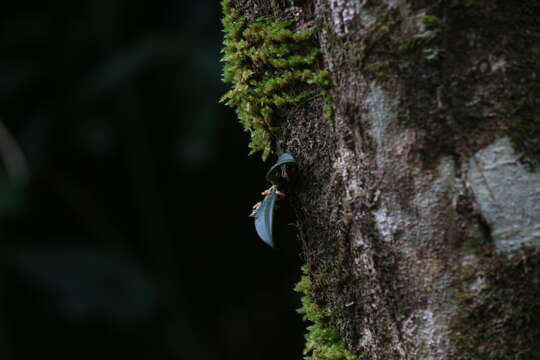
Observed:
{"x":270,"y":66}
{"x":376,"y":50}
{"x":499,"y":308}
{"x":425,"y":44}
{"x":322,"y":343}
{"x":386,"y":52}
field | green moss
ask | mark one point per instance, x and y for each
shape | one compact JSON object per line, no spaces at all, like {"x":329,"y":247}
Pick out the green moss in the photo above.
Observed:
{"x":427,"y":41}
{"x":429,"y":20}
{"x":376,"y":46}
{"x":499,"y":308}
{"x":270,"y":67}
{"x":387,"y":52}
{"x":322,"y":343}
{"x":380,"y":69}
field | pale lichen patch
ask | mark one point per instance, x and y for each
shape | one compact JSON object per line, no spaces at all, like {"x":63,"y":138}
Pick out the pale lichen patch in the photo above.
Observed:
{"x":411,"y":220}
{"x":497,"y":63}
{"x":343,"y":12}
{"x":382,"y":115}
{"x":508,"y":195}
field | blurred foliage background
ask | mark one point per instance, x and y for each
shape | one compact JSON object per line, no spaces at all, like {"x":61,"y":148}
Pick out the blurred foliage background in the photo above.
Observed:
{"x":124,"y":231}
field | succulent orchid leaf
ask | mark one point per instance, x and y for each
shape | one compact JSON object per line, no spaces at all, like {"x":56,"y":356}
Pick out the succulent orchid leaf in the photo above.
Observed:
{"x":264,"y":217}
{"x":272,"y":174}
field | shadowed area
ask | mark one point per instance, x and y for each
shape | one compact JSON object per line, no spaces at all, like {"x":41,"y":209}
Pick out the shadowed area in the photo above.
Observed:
{"x":125,"y":190}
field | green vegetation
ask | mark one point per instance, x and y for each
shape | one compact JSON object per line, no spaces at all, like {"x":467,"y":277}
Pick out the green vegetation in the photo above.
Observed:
{"x":322,"y":343}
{"x":270,"y":66}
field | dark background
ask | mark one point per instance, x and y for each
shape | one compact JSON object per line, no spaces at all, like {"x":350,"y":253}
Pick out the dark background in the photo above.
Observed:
{"x":124,"y":233}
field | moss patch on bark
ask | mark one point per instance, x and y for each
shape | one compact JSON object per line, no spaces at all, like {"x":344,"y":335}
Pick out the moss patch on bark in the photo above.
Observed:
{"x":322,"y":342}
{"x":270,"y":67}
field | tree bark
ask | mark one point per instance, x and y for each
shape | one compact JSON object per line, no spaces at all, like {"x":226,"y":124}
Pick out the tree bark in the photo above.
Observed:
{"x":419,"y":203}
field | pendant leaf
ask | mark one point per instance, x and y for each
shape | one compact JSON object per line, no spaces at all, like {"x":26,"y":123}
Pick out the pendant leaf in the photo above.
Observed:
{"x":272,"y":174}
{"x":264,"y":217}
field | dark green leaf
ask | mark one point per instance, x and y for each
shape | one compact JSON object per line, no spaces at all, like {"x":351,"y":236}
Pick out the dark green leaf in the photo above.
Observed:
{"x":265,"y":216}
{"x":285,"y":158}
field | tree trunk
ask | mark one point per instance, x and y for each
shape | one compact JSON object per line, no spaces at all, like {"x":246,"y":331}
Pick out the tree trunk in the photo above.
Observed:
{"x":419,"y":203}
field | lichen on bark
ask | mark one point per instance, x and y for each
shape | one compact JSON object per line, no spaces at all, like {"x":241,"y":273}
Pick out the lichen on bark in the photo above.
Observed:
{"x":508,"y":195}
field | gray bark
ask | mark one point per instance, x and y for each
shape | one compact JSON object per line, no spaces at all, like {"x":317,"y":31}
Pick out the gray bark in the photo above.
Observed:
{"x":419,"y":204}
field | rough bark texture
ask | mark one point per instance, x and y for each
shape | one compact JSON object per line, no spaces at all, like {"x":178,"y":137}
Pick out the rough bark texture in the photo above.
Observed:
{"x":419,"y":203}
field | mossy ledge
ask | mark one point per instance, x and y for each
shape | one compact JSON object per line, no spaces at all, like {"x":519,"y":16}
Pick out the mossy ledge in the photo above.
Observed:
{"x":322,"y":343}
{"x":270,"y":67}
